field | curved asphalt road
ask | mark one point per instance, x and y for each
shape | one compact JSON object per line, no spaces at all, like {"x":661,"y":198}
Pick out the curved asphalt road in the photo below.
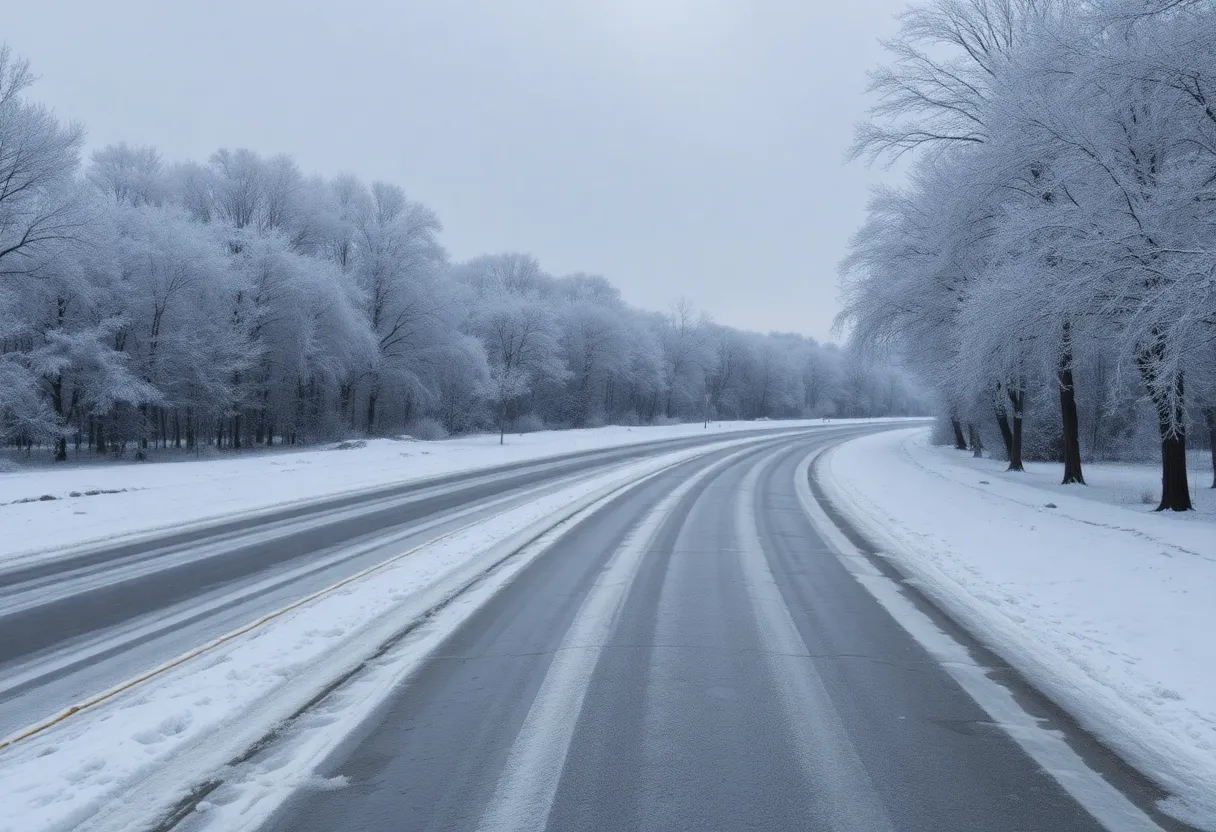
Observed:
{"x":73,"y":626}
{"x":691,"y":657}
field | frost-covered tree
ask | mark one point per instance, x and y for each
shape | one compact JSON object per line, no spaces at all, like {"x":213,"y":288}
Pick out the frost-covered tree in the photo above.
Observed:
{"x":688,"y":350}
{"x":514,"y":318}
{"x":413,"y":314}
{"x":596,"y":347}
{"x":39,"y":201}
{"x":235,"y":302}
{"x":128,"y":175}
{"x":1075,"y":141}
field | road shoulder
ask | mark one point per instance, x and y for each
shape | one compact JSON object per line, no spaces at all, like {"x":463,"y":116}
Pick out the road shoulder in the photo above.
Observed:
{"x":1100,"y":608}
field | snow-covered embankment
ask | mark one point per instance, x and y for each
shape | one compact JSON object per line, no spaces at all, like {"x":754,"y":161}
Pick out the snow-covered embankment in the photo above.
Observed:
{"x":1108,"y":609}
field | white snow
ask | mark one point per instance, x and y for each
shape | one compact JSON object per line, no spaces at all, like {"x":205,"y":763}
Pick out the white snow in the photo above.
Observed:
{"x":1130,"y":485}
{"x":1106,"y":606}
{"x":159,"y":497}
{"x":175,"y":729}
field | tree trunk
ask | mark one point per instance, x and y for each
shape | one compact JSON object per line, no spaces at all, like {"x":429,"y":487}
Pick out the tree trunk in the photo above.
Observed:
{"x":977,"y":445}
{"x":1175,"y":493}
{"x":1018,"y":399}
{"x":1069,"y":423}
{"x":1171,"y":425}
{"x":371,"y":412}
{"x":1209,"y":416}
{"x":1002,"y":421}
{"x":960,"y":442}
{"x":61,"y":442}
{"x":236,"y":431}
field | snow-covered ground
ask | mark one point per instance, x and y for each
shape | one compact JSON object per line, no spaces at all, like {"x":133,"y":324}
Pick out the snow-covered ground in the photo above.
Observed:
{"x":1131,"y":485}
{"x":191,"y":718}
{"x":1105,"y":605}
{"x":96,"y":503}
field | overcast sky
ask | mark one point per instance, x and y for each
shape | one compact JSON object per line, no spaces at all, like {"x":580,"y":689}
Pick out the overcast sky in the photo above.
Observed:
{"x":679,"y":147}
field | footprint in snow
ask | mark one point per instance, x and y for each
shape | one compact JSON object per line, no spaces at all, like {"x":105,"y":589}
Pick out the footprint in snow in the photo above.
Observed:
{"x":168,"y":727}
{"x":85,"y":771}
{"x":332,"y":632}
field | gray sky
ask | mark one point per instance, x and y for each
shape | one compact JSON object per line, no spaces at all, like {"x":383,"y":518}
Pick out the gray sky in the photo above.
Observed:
{"x":679,"y":147}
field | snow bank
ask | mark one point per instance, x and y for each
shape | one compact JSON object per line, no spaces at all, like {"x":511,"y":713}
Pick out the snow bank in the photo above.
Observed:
{"x":98,"y":503}
{"x":1108,"y":609}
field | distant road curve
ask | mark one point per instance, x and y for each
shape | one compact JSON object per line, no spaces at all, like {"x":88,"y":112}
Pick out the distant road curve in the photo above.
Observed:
{"x":75,"y":625}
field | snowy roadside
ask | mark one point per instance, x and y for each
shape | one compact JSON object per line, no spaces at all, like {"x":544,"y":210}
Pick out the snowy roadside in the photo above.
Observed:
{"x":1106,"y":608}
{"x":158,"y":497}
{"x":194,"y":718}
{"x":1133,"y":486}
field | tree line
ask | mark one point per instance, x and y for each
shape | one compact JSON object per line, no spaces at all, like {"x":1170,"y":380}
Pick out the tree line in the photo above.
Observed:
{"x":1049,"y":267}
{"x":237,"y":302}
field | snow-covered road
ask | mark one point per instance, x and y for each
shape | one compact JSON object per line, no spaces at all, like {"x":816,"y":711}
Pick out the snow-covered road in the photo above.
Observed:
{"x":692,"y":654}
{"x":72,"y":630}
{"x":73,"y":627}
{"x":658,"y":637}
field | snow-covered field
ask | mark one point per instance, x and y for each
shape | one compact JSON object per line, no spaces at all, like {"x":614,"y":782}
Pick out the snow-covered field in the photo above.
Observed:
{"x":1131,"y":485}
{"x":1106,"y":606}
{"x":153,"y":497}
{"x":191,"y":719}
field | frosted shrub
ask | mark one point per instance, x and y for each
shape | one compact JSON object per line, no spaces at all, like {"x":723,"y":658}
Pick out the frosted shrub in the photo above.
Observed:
{"x":529,"y":423}
{"x":428,"y":430}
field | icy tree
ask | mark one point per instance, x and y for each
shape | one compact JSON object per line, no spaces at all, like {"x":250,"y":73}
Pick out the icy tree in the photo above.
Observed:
{"x":1057,"y":219}
{"x":517,"y":325}
{"x":235,"y":302}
